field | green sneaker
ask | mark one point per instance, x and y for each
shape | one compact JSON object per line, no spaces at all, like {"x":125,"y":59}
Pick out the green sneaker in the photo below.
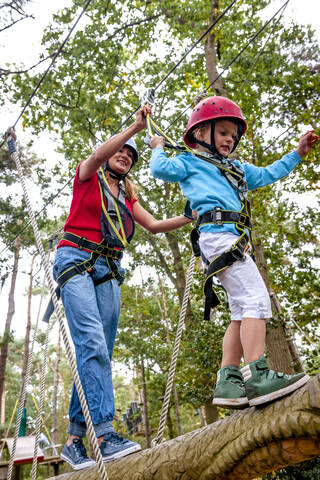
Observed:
{"x":230,"y":391}
{"x":263,"y":385}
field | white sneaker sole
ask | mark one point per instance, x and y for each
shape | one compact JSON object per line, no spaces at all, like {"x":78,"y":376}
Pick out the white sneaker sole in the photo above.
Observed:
{"x":79,"y":466}
{"x":122,"y":453}
{"x":231,"y":402}
{"x":269,"y":397}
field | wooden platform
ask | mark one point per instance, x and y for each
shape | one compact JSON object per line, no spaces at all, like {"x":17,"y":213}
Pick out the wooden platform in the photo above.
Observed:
{"x":24,"y":449}
{"x":24,"y":455}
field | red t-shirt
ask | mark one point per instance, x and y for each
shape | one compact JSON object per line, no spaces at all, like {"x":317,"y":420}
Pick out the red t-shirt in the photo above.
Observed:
{"x":85,"y":211}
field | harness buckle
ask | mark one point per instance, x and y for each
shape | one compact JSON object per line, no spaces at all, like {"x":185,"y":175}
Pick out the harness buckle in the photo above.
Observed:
{"x":237,"y":254}
{"x":242,"y":218}
{"x":216,"y":216}
{"x":100,"y":249}
{"x":80,"y":242}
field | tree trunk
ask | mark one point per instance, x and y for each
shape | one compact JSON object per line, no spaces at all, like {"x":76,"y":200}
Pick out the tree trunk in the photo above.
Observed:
{"x":211,"y":48}
{"x":174,"y":387}
{"x":10,"y":313}
{"x":170,"y":425}
{"x":177,"y":408}
{"x":55,"y":393}
{"x":145,"y":406}
{"x":28,"y":328}
{"x":243,"y":446}
{"x":211,"y":412}
{"x":277,"y":341}
{"x":3,"y":407}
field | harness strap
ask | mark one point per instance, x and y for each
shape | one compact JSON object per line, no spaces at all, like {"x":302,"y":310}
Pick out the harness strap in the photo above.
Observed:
{"x":219,"y":216}
{"x":100,"y":248}
{"x":219,"y":263}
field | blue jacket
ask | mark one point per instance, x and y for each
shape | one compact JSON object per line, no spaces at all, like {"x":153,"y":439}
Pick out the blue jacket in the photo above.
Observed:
{"x":205,"y":186}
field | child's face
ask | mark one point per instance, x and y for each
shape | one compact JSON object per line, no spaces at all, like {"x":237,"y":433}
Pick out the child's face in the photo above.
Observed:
{"x":225,"y":136}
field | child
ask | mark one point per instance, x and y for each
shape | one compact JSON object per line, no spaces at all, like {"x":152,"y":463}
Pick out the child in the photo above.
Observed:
{"x":217,"y":189}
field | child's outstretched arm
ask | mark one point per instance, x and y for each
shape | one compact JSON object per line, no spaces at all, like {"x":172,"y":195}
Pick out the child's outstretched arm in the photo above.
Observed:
{"x":306,"y":142}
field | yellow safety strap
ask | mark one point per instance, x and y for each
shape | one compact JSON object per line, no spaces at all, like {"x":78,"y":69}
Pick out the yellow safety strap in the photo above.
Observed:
{"x":120,"y":235}
{"x":153,"y":127}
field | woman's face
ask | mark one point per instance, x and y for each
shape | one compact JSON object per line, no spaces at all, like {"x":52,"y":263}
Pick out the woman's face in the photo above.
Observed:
{"x":121,"y":161}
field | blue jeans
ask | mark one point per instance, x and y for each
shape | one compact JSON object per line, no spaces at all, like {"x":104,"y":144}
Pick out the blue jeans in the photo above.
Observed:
{"x":92,"y":314}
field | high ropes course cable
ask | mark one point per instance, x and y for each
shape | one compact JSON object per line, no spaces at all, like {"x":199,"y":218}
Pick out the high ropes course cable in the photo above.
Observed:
{"x":10,"y":139}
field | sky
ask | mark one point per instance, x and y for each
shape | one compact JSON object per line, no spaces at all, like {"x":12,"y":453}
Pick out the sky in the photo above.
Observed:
{"x":21,"y":44}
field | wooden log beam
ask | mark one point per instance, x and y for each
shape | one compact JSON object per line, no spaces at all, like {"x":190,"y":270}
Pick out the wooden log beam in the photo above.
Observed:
{"x":245,"y":445}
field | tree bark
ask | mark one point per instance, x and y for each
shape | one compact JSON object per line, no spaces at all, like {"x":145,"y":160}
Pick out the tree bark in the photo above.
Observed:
{"x":28,"y":328}
{"x":277,"y":341}
{"x":211,"y":55}
{"x":211,"y":412}
{"x":174,"y":387}
{"x":243,"y":446}
{"x":10,"y":313}
{"x":145,"y":406}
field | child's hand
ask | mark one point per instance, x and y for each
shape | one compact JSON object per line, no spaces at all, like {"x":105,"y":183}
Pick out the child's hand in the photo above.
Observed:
{"x":140,"y":122}
{"x":157,"y":141}
{"x":306,"y":142}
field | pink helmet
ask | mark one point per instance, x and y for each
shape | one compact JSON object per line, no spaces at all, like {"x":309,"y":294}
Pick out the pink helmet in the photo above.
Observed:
{"x":212,"y":108}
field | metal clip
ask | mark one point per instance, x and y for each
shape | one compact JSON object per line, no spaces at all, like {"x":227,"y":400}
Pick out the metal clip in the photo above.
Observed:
{"x":216,"y":216}
{"x":148,"y":97}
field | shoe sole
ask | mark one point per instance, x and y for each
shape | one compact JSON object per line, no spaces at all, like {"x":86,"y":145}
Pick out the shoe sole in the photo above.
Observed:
{"x":78,"y":466}
{"x":269,"y":397}
{"x":235,"y":403}
{"x":122,"y":453}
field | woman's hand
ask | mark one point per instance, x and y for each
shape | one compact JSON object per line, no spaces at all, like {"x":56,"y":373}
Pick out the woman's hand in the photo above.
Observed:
{"x":157,"y":141}
{"x":306,"y":142}
{"x":140,"y":122}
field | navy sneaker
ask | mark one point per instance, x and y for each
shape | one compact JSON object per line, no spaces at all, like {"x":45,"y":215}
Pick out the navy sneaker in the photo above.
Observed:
{"x":114,"y":446}
{"x":76,"y":455}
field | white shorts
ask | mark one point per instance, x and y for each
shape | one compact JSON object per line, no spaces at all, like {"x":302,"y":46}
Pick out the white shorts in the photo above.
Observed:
{"x":247,"y":294}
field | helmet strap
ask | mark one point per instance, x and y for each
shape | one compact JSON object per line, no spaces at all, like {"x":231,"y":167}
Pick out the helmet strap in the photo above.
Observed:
{"x":212,"y":146}
{"x":114,"y":174}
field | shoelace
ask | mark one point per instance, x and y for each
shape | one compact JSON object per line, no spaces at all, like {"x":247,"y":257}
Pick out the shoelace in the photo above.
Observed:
{"x":79,"y":447}
{"x":114,"y":437}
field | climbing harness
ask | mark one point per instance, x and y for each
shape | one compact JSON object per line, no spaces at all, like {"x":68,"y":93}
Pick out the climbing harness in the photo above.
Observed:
{"x":117,"y":227}
{"x":117,"y":222}
{"x":218,"y":108}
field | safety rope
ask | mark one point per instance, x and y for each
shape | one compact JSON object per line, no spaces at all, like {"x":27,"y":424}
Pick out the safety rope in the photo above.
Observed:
{"x":91,"y":433}
{"x":259,"y":54}
{"x":181,"y":60}
{"x":180,"y":115}
{"x":172,"y":369}
{"x":38,"y":419}
{"x":22,"y":396}
{"x":232,"y":61}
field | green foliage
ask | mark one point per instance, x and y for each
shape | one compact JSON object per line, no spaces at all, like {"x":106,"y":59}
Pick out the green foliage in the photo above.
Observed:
{"x":122,"y":47}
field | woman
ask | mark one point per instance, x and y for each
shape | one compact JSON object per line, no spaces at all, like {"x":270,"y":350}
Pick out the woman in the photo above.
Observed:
{"x":87,"y":268}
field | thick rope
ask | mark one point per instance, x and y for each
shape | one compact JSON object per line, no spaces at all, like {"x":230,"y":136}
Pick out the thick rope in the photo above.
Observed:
{"x":22,"y":396}
{"x":84,"y":406}
{"x":38,"y":420}
{"x":43,"y":376}
{"x":172,"y":369}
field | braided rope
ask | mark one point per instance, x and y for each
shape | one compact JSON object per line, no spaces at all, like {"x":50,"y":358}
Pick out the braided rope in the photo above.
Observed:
{"x":22,"y":396}
{"x":172,"y":369}
{"x":38,"y":420}
{"x":84,"y":406}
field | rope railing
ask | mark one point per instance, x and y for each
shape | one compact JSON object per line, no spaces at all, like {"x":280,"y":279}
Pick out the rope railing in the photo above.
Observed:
{"x":10,"y":138}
